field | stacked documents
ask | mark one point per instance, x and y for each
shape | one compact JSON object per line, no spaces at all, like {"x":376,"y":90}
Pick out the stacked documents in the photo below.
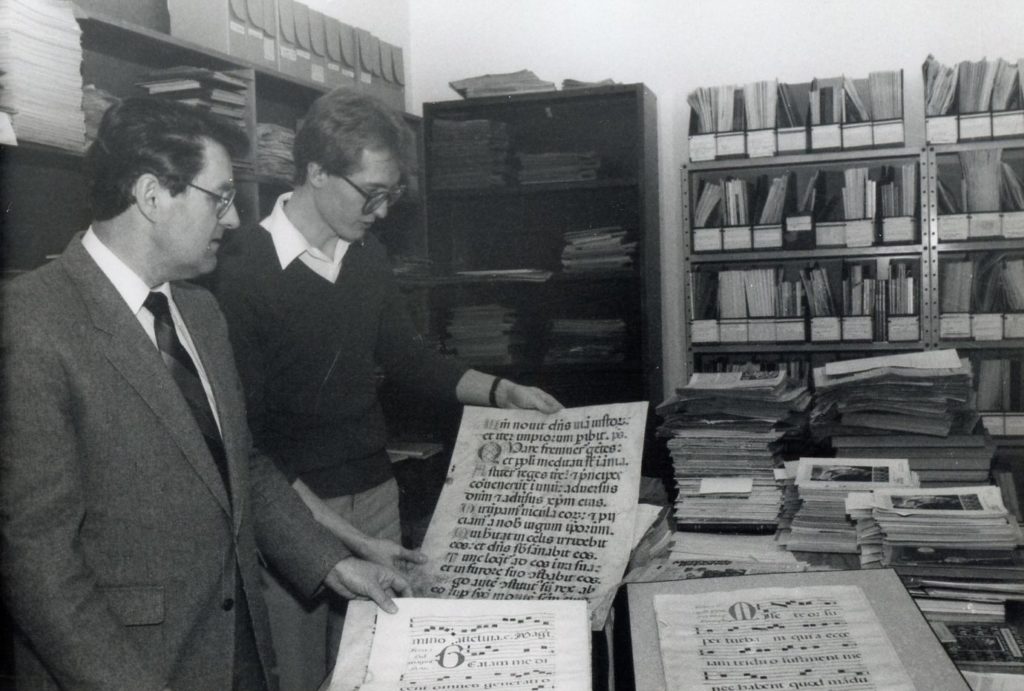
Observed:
{"x":557,"y":166}
{"x":820,"y":522}
{"x":483,"y":334}
{"x":469,"y":154}
{"x":586,"y":340}
{"x":274,"y":151}
{"x":521,"y":82}
{"x":41,"y":57}
{"x":726,"y":433}
{"x":597,"y":249}
{"x":212,"y":90}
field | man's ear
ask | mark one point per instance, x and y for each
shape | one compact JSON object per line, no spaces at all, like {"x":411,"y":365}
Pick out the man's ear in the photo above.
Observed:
{"x":315,"y":174}
{"x":149,"y":196}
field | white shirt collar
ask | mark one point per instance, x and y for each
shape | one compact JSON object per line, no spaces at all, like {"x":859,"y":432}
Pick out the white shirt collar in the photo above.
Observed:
{"x":128,"y":283}
{"x":290,"y":243}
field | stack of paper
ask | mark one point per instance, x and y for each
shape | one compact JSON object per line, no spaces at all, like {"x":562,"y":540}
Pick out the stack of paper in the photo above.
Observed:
{"x":483,"y":334}
{"x":556,"y":166}
{"x":521,"y":82}
{"x":820,"y":522}
{"x":939,"y":87}
{"x":725,"y":434}
{"x":586,"y":340}
{"x":41,"y":57}
{"x":469,"y":154}
{"x":274,"y":151}
{"x":95,"y":102}
{"x":212,"y":90}
{"x":597,"y":249}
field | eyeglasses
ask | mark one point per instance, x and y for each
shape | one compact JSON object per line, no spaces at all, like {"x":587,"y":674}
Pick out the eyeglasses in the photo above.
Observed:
{"x":224,"y":199}
{"x":375,"y":200}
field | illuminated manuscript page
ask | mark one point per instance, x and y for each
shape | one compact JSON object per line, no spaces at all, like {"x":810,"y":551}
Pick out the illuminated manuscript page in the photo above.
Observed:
{"x":537,"y":506}
{"x":443,"y":645}
{"x":815,"y":637}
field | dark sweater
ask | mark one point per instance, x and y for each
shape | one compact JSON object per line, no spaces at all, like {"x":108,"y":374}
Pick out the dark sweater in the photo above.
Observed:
{"x":307,"y":350}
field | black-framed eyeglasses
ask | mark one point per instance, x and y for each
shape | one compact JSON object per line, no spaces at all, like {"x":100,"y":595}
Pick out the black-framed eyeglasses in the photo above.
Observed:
{"x":224,"y":199}
{"x":375,"y":200}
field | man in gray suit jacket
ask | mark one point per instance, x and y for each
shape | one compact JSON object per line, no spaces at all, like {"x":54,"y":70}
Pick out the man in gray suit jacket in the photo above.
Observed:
{"x":133,"y":509}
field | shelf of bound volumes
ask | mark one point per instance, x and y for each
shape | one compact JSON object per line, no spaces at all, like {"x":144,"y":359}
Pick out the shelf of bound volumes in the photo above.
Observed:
{"x":766,"y":118}
{"x":970,"y":101}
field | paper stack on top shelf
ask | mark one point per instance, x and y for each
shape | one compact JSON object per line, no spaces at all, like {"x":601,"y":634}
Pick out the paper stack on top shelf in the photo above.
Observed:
{"x":41,"y":56}
{"x":212,"y":90}
{"x":607,"y":248}
{"x":725,"y":436}
{"x":919,"y":404}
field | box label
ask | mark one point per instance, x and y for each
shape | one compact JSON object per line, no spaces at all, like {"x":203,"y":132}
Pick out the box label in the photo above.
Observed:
{"x":761,"y":143}
{"x":857,"y":136}
{"x":955,"y":326}
{"x":985,"y":225}
{"x":730,"y":144}
{"x":702,"y":147}
{"x":236,"y":27}
{"x":976,"y":126}
{"x":953,"y":227}
{"x":941,"y":130}
{"x":898,"y":229}
{"x":826,"y":137}
{"x":1008,"y":123}
{"x":767,"y":237}
{"x":825,"y":329}
{"x":904,"y":328}
{"x":888,"y":132}
{"x":736,"y":238}
{"x":860,"y":233}
{"x":987,"y":327}
{"x":317,"y":73}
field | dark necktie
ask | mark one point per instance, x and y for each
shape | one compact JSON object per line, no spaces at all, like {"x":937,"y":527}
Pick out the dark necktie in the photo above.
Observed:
{"x":184,"y":372}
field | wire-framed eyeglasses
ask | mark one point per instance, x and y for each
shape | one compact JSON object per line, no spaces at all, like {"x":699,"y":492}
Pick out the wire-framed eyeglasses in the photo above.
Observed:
{"x":376,"y":199}
{"x":224,"y":199}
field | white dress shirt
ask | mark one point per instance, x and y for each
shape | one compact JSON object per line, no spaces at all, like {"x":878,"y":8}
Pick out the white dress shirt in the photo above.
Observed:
{"x":290,"y":243}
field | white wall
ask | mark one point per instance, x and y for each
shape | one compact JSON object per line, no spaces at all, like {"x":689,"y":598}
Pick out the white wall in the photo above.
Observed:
{"x":675,"y":46}
{"x":386,"y":19}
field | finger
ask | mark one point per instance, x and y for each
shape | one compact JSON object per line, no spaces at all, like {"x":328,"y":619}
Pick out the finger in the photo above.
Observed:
{"x":378,"y":595}
{"x":401,"y":586}
{"x":413,"y":555}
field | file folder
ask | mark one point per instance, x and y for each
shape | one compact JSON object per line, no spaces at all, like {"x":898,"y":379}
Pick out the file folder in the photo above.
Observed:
{"x":392,"y":92}
{"x":332,"y":53}
{"x":233,"y":28}
{"x":269,"y":25}
{"x":287,"y":47}
{"x":318,"y":46}
{"x":303,"y":44}
{"x":367,"y":78}
{"x":349,"y":54}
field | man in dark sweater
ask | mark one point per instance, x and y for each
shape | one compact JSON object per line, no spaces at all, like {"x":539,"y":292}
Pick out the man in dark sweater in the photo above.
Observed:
{"x":313,"y":309}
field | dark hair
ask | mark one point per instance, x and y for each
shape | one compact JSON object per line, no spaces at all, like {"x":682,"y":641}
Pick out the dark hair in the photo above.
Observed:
{"x":343,"y":123}
{"x":157,"y":136}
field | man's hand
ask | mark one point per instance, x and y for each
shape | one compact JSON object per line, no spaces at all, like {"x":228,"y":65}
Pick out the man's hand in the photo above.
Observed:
{"x":527,"y":397}
{"x":389,"y":553}
{"x":354,"y":578}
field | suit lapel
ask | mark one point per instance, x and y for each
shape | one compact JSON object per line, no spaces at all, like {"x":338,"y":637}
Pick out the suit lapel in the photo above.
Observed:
{"x":130,"y":351}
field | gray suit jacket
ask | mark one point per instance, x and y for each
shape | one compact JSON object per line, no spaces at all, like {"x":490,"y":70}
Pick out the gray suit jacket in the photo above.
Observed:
{"x":119,"y":546}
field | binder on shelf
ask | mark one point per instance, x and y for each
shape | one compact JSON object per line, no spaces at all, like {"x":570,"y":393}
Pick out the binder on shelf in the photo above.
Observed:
{"x":904,"y":328}
{"x":287,"y":45}
{"x":332,"y":54}
{"x":975,"y":125}
{"x":707,"y":239}
{"x":704,"y":331}
{"x":318,"y":46}
{"x":953,"y":227}
{"x":1013,"y":325}
{"x":736,"y":238}
{"x":398,"y":64}
{"x":1013,"y":224}
{"x":988,"y":224}
{"x":349,"y":53}
{"x":791,"y":330}
{"x":762,"y":331}
{"x":830,"y":234}
{"x":392,"y":91}
{"x":791,"y":118}
{"x":766,"y":237}
{"x":987,"y":327}
{"x":955,"y":325}
{"x":367,"y":50}
{"x":303,"y":44}
{"x":860,"y":233}
{"x":899,"y":229}
{"x":857,"y":328}
{"x":826,"y":329}
{"x":270,"y":33}
{"x":234,"y":27}
{"x":734,"y":330}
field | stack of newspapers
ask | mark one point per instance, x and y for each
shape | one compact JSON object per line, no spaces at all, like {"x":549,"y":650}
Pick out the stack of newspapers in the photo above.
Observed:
{"x":819,"y":521}
{"x":725,"y":435}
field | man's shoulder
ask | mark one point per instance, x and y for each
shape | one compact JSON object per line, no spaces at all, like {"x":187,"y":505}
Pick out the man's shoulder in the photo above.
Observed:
{"x":246,"y":248}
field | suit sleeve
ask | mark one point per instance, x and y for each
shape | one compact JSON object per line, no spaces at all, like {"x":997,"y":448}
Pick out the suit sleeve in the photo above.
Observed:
{"x":50,"y":590}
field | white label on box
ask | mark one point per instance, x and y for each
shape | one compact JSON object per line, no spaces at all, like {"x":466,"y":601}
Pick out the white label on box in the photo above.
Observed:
{"x":366,"y":78}
{"x":767,"y":237}
{"x":941,"y":129}
{"x":789,"y":330}
{"x":857,"y":136}
{"x":702,"y":147}
{"x":1013,"y":325}
{"x":268,"y":49}
{"x":904,"y":328}
{"x":792,"y":139}
{"x":857,"y":328}
{"x":826,"y":137}
{"x":860,"y":233}
{"x":830,"y":234}
{"x":985,"y":225}
{"x":704,"y":331}
{"x":736,"y":238}
{"x":256,"y":33}
{"x":761,"y":143}
{"x":237,"y":27}
{"x":762,"y":331}
{"x":1013,"y":224}
{"x":730,"y":144}
{"x":333,"y":67}
{"x":994,"y":424}
{"x":733,"y":330}
{"x":888,"y":132}
{"x":348,"y":73}
{"x":794,"y":223}
{"x":288,"y":53}
{"x":1013,"y":424}
{"x":825,"y":329}
{"x":707,"y":239}
{"x":303,"y":54}
{"x":955,"y":326}
{"x":976,"y":126}
{"x":318,"y":74}
{"x":898,"y":229}
{"x":987,"y":327}
{"x":953,"y":227}
{"x":1008,"y":123}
